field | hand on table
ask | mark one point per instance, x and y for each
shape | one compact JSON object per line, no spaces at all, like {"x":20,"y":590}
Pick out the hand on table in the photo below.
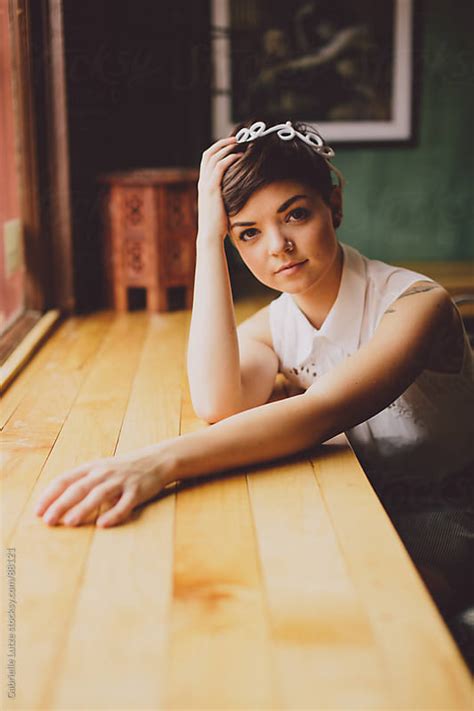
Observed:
{"x":121,"y":482}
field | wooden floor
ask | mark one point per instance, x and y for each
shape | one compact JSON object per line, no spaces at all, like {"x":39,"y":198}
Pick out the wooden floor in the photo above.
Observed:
{"x":284,"y":588}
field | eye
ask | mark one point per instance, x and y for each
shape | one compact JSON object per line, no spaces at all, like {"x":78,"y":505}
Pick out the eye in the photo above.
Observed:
{"x":299,"y":213}
{"x":242,"y":234}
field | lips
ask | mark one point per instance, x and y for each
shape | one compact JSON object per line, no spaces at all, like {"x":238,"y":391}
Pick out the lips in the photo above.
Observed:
{"x":289,"y":265}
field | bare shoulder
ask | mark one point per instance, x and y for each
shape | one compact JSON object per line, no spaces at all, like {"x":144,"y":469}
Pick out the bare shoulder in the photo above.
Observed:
{"x":422,"y":287}
{"x":257,"y":326}
{"x":434,"y":301}
{"x":420,"y":294}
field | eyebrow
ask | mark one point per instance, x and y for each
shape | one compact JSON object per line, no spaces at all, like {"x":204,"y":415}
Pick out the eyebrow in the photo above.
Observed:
{"x":282,"y":208}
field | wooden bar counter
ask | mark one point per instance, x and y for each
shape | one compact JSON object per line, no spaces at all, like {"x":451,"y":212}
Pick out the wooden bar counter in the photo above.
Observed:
{"x":284,"y":586}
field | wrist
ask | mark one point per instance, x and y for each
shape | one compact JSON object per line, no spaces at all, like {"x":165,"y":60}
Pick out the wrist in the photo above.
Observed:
{"x":207,"y":238}
{"x":162,"y":459}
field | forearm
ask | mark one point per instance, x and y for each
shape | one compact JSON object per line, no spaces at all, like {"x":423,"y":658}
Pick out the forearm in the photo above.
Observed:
{"x":213,"y":351}
{"x":276,"y":429}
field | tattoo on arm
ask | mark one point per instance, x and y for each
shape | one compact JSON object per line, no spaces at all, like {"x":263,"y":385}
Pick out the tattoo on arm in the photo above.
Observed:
{"x":417,"y":290}
{"x":410,"y":292}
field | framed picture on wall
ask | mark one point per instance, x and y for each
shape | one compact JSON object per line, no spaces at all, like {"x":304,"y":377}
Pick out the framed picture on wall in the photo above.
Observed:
{"x":343,"y":66}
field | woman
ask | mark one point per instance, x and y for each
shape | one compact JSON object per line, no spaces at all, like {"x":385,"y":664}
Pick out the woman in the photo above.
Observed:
{"x":372,"y":350}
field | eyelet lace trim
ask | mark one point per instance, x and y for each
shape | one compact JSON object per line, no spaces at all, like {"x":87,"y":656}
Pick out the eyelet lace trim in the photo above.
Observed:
{"x":400,"y":409}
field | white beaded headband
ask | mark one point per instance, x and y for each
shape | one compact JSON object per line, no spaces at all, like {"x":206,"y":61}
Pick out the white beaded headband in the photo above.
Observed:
{"x":287,"y":132}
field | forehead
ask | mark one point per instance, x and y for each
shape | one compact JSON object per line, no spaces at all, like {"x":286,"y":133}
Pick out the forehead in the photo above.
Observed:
{"x":270,"y":197}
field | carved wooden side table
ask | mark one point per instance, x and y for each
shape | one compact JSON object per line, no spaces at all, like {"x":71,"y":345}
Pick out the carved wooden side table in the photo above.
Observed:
{"x":150,"y":220}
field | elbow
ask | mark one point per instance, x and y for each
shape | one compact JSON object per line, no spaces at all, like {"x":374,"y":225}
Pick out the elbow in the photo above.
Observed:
{"x":212,"y":419}
{"x":212,"y":416}
{"x":211,"y":410}
{"x":205,"y":416}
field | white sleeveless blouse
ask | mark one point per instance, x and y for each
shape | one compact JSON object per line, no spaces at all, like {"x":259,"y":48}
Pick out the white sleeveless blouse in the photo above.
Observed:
{"x":424,"y":435}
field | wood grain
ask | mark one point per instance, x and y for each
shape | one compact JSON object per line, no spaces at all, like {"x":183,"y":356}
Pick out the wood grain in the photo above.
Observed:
{"x":283,"y":586}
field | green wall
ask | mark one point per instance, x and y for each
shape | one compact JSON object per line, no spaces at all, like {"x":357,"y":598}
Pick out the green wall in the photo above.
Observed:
{"x":409,"y":203}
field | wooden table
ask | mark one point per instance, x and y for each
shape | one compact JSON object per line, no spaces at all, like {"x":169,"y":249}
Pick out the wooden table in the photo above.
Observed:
{"x":283,"y":587}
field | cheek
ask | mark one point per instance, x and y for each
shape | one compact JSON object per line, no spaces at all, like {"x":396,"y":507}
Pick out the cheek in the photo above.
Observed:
{"x":252,"y":262}
{"x":256,"y":262}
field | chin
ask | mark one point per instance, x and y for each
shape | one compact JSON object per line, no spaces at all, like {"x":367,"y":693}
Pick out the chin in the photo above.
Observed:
{"x":289,"y":287}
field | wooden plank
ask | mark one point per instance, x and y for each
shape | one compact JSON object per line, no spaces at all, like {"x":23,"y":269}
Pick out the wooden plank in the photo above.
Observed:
{"x":51,"y":560}
{"x":118,"y":630}
{"x":324,"y":649}
{"x":13,"y":334}
{"x":218,"y":652}
{"x":25,"y":350}
{"x":423,"y":666}
{"x":47,"y":398}
{"x":59,"y":347}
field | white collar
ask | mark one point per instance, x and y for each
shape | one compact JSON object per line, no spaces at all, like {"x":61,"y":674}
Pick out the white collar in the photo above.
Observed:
{"x":342,"y":325}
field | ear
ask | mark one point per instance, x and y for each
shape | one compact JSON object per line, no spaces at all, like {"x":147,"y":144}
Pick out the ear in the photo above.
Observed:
{"x":335,"y":202}
{"x":335,"y":198}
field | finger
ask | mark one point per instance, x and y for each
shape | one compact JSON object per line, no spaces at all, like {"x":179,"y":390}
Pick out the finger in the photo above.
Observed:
{"x":57,"y":487}
{"x":218,"y":144}
{"x":76,"y":492}
{"x":120,"y":511}
{"x":224,"y":162}
{"x":214,"y":180}
{"x":222,"y":166}
{"x":104,"y":492}
{"x":61,"y":483}
{"x":220,"y":155}
{"x":208,"y":154}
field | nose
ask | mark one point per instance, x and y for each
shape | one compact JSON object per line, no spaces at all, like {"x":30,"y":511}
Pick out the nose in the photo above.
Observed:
{"x":277,"y":241}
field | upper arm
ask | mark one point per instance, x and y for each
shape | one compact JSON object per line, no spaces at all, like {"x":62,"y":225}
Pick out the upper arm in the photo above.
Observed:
{"x":258,"y":360}
{"x":381,"y":370}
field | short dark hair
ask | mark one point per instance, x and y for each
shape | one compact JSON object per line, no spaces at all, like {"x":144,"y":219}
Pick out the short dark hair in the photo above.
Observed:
{"x":269,"y":159}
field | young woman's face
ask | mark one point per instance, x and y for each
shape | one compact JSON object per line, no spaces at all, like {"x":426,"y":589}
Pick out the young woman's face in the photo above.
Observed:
{"x":275,"y":214}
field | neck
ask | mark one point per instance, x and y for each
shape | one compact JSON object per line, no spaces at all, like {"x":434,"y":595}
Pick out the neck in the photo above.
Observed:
{"x":318,"y":300}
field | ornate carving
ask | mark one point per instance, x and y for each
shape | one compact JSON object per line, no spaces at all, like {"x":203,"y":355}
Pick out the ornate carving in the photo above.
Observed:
{"x":134,"y":257}
{"x":133,"y":209}
{"x":177,"y":207}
